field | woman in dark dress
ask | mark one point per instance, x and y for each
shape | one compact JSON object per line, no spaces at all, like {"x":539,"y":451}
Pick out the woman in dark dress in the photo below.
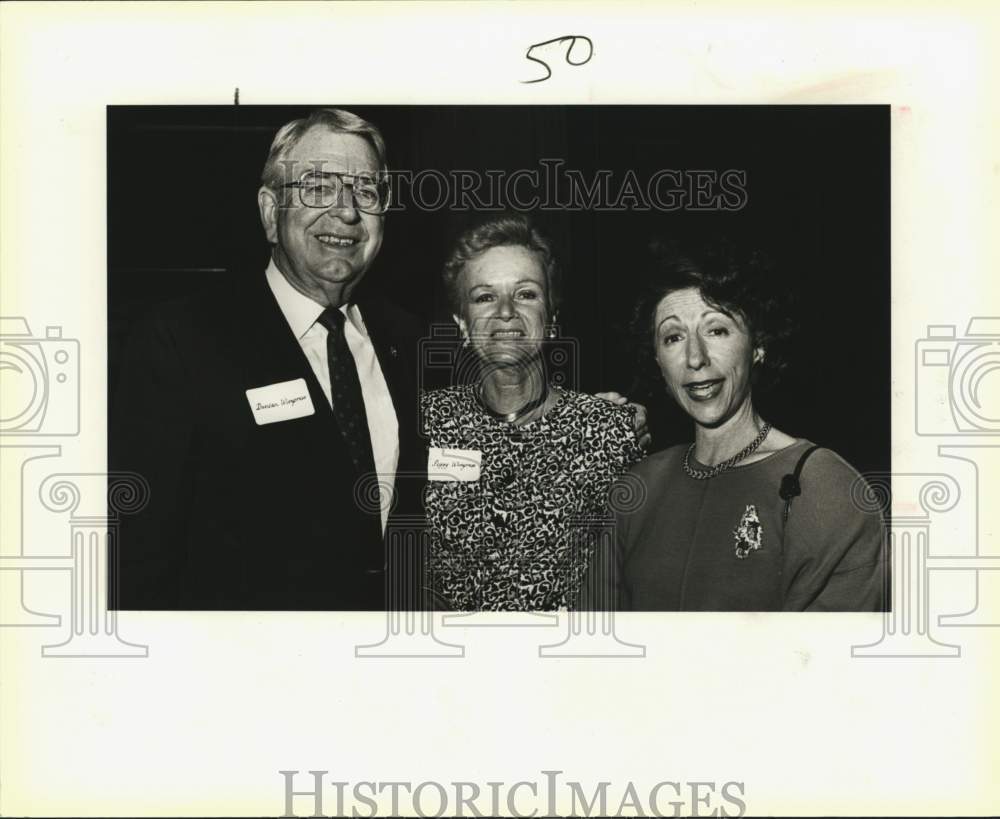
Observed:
{"x":747,"y":517}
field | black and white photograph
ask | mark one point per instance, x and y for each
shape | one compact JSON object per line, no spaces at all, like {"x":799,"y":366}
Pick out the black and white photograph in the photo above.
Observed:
{"x":499,"y":409}
{"x":540,"y":302}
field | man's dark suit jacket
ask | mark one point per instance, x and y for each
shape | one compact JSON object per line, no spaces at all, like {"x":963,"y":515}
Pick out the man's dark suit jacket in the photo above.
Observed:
{"x":243,"y":516}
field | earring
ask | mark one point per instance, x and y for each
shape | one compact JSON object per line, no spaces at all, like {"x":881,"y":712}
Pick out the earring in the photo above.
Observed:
{"x":551,"y":331}
{"x":465,"y":341}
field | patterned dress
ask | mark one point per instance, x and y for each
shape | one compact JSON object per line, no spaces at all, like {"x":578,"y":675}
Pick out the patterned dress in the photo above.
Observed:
{"x":511,"y":541}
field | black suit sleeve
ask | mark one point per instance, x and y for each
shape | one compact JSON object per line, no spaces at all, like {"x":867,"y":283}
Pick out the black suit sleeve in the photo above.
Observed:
{"x":150,"y":433}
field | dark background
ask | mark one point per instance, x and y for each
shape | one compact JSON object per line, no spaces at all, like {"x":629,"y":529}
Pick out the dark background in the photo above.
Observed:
{"x":182,"y":183}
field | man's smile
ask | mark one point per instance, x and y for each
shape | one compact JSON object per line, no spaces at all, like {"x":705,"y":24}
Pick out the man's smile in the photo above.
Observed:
{"x":333,"y":240}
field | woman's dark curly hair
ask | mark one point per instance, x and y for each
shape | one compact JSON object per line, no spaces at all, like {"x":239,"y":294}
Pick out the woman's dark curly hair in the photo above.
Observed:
{"x":740,"y":282}
{"x":501,"y":230}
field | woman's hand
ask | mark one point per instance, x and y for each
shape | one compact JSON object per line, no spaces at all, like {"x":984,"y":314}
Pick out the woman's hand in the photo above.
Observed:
{"x":641,"y":425}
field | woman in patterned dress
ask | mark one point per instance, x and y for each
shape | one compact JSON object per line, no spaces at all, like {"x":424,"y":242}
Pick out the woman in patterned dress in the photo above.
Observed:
{"x":521,"y":534}
{"x":746,"y":518}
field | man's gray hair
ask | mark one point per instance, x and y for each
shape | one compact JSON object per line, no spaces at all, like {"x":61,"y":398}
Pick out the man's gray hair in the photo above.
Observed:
{"x":334,"y":119}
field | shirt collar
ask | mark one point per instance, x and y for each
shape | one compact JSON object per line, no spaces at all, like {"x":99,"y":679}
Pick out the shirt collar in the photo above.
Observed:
{"x":299,"y":310}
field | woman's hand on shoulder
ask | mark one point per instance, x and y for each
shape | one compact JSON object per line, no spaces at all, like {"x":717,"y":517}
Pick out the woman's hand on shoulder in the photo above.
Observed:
{"x":641,"y":419}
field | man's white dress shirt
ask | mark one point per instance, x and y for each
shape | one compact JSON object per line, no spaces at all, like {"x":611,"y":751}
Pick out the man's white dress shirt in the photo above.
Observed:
{"x":301,"y":313}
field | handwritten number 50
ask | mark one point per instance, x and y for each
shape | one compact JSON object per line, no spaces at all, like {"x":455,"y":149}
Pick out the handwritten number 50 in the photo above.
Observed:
{"x":585,"y":51}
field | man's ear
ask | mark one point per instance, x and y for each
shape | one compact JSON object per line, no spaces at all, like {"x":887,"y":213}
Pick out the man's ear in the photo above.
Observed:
{"x":462,"y":327}
{"x":267,"y":204}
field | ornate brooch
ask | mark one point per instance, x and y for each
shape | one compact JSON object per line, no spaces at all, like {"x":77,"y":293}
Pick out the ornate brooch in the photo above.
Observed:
{"x":748,"y":534}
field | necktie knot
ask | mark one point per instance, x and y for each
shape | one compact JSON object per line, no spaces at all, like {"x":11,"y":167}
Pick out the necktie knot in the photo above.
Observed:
{"x":333,"y":319}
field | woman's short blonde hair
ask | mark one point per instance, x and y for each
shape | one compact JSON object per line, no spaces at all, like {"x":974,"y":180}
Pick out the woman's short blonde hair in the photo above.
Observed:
{"x":501,"y":230}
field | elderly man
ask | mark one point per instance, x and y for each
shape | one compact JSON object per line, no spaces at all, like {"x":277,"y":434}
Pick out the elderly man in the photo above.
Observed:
{"x":252,"y":412}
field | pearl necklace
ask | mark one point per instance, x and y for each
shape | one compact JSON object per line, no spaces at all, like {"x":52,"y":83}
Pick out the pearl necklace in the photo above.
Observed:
{"x":705,"y":474}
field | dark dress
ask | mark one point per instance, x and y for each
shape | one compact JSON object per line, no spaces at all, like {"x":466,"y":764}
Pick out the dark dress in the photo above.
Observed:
{"x":722,"y":544}
{"x":519,"y":538}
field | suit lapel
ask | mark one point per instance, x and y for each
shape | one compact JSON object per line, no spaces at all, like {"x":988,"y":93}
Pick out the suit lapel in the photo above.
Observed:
{"x":271,"y":353}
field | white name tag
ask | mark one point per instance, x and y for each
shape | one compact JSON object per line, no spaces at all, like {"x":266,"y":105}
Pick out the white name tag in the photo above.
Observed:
{"x":280,"y":402}
{"x":453,"y":464}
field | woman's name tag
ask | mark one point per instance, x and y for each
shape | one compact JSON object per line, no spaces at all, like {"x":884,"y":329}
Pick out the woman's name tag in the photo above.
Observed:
{"x":453,"y":464}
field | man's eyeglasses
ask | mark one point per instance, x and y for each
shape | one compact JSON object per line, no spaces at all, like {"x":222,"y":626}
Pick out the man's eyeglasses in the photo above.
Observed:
{"x":370,"y":194}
